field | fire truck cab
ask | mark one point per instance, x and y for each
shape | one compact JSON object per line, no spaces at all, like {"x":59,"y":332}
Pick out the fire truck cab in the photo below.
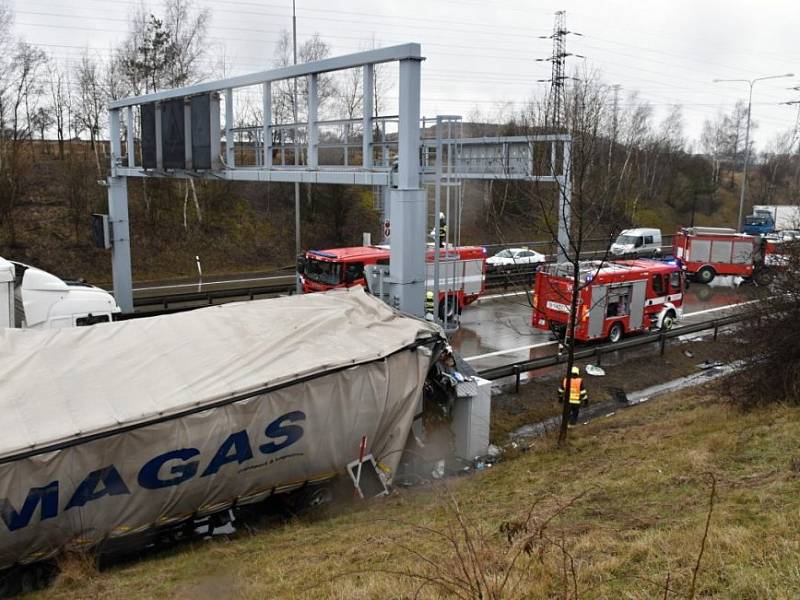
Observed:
{"x":462,"y":273}
{"x":615,"y":298}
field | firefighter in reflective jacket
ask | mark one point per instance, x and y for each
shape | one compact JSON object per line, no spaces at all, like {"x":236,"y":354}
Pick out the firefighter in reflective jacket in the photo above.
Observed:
{"x":429,"y":306}
{"x":577,"y":395}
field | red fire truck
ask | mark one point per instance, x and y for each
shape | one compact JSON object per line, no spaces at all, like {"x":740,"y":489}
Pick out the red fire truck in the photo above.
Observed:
{"x":706,"y":252}
{"x":462,"y":271}
{"x":615,"y":298}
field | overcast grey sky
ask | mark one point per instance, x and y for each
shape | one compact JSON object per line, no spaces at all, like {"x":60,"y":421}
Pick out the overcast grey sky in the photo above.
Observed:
{"x":482,"y":54}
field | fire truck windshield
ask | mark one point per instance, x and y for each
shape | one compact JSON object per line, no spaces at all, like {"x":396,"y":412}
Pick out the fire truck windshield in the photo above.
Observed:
{"x":323,"y":271}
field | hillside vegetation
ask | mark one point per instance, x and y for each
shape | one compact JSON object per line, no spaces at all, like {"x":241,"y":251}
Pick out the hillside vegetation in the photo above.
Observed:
{"x":248,"y":227}
{"x":684,"y":497}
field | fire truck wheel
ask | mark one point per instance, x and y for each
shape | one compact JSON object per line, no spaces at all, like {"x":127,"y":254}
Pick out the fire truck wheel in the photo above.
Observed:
{"x":705,"y":275}
{"x":615,"y":333}
{"x":448,"y":308}
{"x":668,"y":321}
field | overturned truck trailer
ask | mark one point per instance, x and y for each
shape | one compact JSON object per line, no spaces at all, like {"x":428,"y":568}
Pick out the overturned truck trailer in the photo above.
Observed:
{"x":127,"y":427}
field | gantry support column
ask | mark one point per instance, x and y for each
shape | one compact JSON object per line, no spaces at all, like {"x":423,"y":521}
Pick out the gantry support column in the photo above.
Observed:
{"x":408,"y":201}
{"x":118,"y":217}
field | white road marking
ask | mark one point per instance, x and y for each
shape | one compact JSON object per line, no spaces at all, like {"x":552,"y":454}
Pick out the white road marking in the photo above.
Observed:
{"x":717,"y":308}
{"x":509,"y":351}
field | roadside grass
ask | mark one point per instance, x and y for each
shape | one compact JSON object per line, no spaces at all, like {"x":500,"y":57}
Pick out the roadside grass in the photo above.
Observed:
{"x":536,"y":399}
{"x":639,"y":484}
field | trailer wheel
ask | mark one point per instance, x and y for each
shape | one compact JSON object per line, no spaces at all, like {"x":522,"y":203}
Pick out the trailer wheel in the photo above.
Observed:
{"x":706,"y":275}
{"x":310,"y":498}
{"x":668,"y":321}
{"x":615,"y":333}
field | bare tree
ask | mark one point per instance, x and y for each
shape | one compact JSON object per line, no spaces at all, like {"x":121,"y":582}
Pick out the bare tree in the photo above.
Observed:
{"x":589,"y":206}
{"x":382,"y":83}
{"x":350,"y":99}
{"x":776,"y":163}
{"x":163,"y":51}
{"x":20,"y":96}
{"x":287,"y":100}
{"x":773,"y":373}
{"x":41,"y":121}
{"x":187,"y":29}
{"x":712,"y":142}
{"x":91,"y":100}
{"x":59,"y":94}
{"x":734,"y":128}
{"x":24,"y":88}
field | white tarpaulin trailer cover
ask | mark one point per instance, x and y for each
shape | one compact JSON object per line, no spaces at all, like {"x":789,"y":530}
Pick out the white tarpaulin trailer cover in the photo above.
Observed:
{"x":118,"y":428}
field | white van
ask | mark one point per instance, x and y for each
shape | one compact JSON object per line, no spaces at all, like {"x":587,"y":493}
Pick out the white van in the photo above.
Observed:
{"x":638,"y":242}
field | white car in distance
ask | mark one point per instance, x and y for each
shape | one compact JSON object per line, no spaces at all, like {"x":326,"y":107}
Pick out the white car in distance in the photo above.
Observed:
{"x":511,"y":258}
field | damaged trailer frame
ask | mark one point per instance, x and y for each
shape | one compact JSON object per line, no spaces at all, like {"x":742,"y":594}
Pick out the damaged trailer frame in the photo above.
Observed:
{"x":155,"y":423}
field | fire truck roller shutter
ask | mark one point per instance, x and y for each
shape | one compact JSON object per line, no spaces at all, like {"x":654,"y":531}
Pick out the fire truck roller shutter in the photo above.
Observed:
{"x":473,"y":276}
{"x":742,"y":253}
{"x":637,"y":304}
{"x":597,"y":311}
{"x":721,"y":251}
{"x":699,"y":251}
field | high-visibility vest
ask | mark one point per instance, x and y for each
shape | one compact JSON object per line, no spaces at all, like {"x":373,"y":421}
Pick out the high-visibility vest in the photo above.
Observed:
{"x":575,"y":392}
{"x":429,"y":303}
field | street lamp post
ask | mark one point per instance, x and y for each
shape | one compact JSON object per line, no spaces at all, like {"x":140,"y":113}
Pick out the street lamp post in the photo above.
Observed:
{"x":751,"y":83}
{"x":297,"y":247}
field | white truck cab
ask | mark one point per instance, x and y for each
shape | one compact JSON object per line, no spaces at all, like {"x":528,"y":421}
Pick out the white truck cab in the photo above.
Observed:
{"x":641,"y":241}
{"x":32,"y":298}
{"x":6,"y":293}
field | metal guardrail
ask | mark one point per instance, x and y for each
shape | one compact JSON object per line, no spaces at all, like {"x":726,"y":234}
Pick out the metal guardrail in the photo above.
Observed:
{"x":502,"y":277}
{"x":207,"y":298}
{"x":167,"y":302}
{"x":517,"y":368}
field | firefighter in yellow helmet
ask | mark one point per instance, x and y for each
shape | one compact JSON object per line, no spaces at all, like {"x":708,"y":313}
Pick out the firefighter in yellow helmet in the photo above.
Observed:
{"x":430,"y":306}
{"x":442,"y":229}
{"x":577,"y":395}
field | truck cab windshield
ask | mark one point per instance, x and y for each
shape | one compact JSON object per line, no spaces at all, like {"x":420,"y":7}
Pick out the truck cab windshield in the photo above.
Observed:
{"x":323,"y":271}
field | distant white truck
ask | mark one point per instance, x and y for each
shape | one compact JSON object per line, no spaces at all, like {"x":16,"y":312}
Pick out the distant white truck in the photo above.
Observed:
{"x":771,"y":218}
{"x":32,"y":298}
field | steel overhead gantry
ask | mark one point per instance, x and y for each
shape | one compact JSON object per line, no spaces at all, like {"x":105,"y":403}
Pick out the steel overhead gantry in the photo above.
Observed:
{"x":182,"y":133}
{"x":181,"y":137}
{"x":503,"y":158}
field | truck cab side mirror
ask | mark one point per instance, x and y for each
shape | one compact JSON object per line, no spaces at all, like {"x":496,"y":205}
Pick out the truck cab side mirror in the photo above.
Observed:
{"x":301,"y":264}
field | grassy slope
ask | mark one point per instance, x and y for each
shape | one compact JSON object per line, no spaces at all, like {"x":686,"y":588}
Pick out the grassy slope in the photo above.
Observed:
{"x":644,"y":473}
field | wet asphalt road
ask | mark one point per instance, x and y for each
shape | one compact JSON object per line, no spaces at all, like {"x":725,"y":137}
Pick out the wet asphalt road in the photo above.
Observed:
{"x":497,"y":330}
